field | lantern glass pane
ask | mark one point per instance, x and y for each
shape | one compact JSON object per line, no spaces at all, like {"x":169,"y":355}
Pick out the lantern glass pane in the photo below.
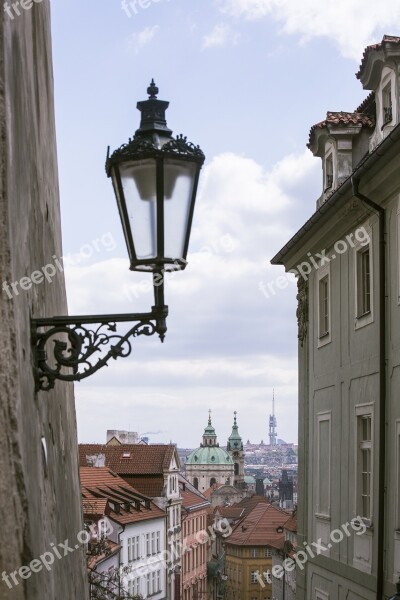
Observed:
{"x":138,"y":180}
{"x":179,"y":179}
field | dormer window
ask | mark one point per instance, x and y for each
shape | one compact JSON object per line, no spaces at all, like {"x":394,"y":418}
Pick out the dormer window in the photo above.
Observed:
{"x":387,"y":104}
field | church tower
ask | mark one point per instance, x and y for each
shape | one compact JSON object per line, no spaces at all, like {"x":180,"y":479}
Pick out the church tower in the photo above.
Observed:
{"x":235,"y":450}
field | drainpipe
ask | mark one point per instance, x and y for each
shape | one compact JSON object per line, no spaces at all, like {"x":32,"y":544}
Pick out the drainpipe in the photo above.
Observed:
{"x":382,"y":386}
{"x":119,"y":557}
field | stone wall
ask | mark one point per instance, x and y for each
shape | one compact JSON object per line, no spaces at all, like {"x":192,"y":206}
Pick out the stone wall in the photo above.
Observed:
{"x":39,"y":503}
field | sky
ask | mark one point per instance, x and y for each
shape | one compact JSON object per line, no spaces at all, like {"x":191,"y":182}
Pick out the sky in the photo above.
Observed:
{"x":246,"y":79}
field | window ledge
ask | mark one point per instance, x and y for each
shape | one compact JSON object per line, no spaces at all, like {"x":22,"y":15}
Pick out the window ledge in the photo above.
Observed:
{"x":322,"y":516}
{"x":324,"y":339}
{"x":364,"y":319}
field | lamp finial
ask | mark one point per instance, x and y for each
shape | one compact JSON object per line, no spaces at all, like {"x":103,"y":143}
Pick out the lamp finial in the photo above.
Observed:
{"x":152,"y":90}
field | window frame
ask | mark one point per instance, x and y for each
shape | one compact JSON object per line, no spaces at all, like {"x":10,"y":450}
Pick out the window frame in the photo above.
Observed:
{"x":361,"y":318}
{"x":322,"y":417}
{"x":323,"y":273}
{"x":363,"y":411}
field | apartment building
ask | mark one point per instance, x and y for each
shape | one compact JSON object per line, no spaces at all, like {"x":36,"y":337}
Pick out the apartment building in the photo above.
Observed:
{"x":346,"y":259}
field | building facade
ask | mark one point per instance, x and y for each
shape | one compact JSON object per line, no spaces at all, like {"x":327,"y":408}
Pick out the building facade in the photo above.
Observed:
{"x":248,"y":558}
{"x":40,"y":497}
{"x":284,"y":586}
{"x":195,"y":540}
{"x":152,"y":470}
{"x":130,"y":528}
{"x":209,"y":464}
{"x":347,"y":261}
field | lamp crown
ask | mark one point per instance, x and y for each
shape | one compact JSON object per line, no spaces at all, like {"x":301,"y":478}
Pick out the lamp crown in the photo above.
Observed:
{"x":152,"y":111}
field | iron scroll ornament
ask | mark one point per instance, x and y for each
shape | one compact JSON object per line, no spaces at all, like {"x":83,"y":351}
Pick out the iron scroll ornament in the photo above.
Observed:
{"x":141,"y":148}
{"x":66,"y":346}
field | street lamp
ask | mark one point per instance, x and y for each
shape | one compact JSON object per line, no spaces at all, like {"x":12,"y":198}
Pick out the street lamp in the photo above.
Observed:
{"x":155,"y":179}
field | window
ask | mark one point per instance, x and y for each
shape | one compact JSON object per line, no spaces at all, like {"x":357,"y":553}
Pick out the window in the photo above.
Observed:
{"x":328,"y":172}
{"x":364,"y":464}
{"x":267,"y":576}
{"x":133,"y":548}
{"x":267,"y":552}
{"x":254,"y":577}
{"x":148,"y":546}
{"x":254,"y":552}
{"x":196,"y":483}
{"x":323,"y":289}
{"x":148,"y":584}
{"x":363,"y":282}
{"x":134,"y":587}
{"x":387,"y":104}
{"x":158,"y":542}
{"x":323,"y":465}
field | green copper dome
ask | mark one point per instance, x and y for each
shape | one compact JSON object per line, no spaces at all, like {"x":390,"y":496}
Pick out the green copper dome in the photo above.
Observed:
{"x":235,"y":441}
{"x":212,"y":455}
{"x":209,"y":452}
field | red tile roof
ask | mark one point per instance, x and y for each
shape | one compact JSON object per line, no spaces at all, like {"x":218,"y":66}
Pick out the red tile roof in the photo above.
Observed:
{"x":230,"y":512}
{"x":250,"y":502}
{"x":100,"y":483}
{"x":191,"y":497}
{"x":387,"y":39}
{"x":208,"y":492}
{"x":291,"y":524}
{"x":130,"y":459}
{"x":258,"y":528}
{"x":342,"y":119}
{"x":151,"y":486}
{"x":368,"y":105}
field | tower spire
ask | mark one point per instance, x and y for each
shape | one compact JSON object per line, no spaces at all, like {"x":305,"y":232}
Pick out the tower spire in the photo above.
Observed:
{"x":272,"y":422}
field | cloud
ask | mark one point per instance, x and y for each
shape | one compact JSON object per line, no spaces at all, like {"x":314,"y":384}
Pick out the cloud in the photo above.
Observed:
{"x":137,"y":40}
{"x":227,"y":343}
{"x":220,"y":36}
{"x":351,"y":24}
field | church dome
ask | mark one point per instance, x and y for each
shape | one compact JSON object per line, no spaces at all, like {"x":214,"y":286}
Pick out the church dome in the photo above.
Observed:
{"x":211,"y":455}
{"x":209,"y":452}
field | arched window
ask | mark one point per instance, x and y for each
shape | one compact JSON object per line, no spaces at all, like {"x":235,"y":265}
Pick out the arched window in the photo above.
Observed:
{"x":212,"y":481}
{"x":236,"y":468}
{"x":196,"y":483}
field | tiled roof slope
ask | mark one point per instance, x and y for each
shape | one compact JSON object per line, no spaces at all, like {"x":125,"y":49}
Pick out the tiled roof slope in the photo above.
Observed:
{"x":342,"y":119}
{"x":153,"y":459}
{"x":258,"y":528}
{"x":368,"y":106}
{"x":230,"y":512}
{"x":387,"y":39}
{"x":100,"y":483}
{"x":191,"y":497}
{"x":291,"y":523}
{"x":208,"y":492}
{"x":250,"y":502}
{"x":151,"y":486}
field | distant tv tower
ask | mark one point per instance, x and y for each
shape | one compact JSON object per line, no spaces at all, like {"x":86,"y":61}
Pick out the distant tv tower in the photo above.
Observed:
{"x":272,"y":422}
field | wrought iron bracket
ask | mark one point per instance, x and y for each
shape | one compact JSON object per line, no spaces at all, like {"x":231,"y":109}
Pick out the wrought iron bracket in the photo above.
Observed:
{"x":64,"y":347}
